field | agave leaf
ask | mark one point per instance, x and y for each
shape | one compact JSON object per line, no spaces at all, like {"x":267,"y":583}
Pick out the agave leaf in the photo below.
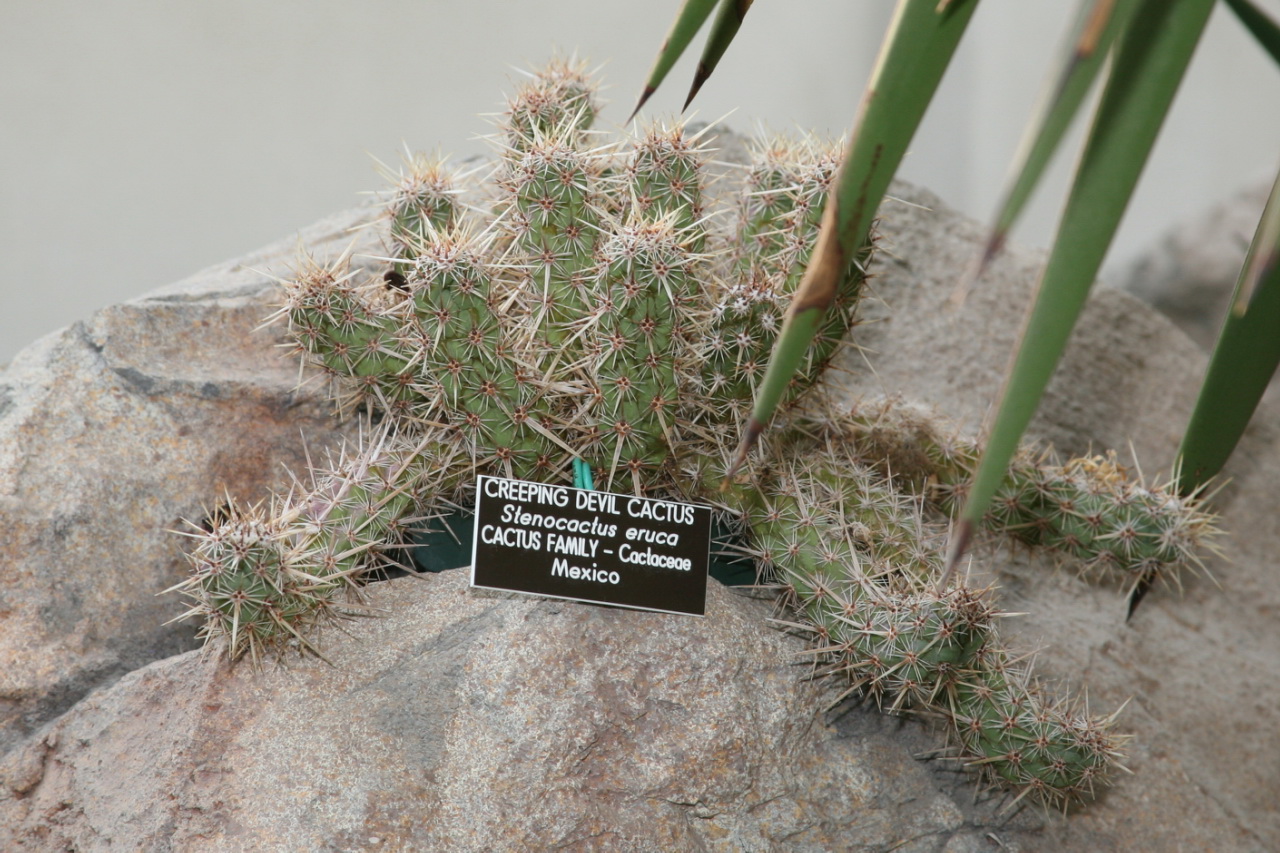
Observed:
{"x":1096,"y":26}
{"x":1244,"y":358}
{"x":917,"y":50}
{"x":688,"y":21}
{"x":1147,"y":67}
{"x":1243,"y":362}
{"x":1258,"y":22}
{"x":1263,"y":254}
{"x":723,"y":29}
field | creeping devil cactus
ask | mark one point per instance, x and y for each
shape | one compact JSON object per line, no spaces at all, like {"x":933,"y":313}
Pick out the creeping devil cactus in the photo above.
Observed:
{"x":605,"y":303}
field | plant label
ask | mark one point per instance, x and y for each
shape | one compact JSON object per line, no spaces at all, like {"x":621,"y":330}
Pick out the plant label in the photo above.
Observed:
{"x":585,"y":545}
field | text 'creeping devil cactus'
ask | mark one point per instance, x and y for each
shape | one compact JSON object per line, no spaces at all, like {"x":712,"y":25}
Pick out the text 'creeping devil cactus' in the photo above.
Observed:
{"x":590,"y":302}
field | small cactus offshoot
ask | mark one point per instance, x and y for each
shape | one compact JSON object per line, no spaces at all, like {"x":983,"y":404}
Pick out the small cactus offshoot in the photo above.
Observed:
{"x":608,"y":302}
{"x":1092,"y":511}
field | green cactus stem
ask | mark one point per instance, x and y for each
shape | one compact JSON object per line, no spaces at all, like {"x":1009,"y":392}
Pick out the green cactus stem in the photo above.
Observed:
{"x":856,"y":568}
{"x":777,"y":225}
{"x":250,"y":594}
{"x":423,"y":201}
{"x":265,"y":579}
{"x":1091,"y":510}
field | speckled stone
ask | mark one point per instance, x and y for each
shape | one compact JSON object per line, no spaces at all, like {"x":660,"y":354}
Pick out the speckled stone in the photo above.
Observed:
{"x":112,"y":431}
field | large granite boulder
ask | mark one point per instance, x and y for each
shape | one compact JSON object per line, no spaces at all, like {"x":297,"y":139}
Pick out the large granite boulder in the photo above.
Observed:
{"x":486,"y":721}
{"x":475,"y":720}
{"x":112,"y":432}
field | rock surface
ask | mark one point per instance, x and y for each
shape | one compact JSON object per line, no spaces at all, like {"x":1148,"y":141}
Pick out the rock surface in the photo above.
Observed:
{"x":1200,"y":668}
{"x":1190,"y":273}
{"x":473,"y":720}
{"x":114,"y":430}
{"x":487,"y":721}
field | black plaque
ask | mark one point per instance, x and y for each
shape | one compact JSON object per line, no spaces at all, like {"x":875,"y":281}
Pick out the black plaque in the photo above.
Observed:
{"x":591,"y":546}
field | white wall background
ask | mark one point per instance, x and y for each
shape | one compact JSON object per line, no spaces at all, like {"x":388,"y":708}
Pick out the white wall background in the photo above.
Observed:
{"x":143,"y":139}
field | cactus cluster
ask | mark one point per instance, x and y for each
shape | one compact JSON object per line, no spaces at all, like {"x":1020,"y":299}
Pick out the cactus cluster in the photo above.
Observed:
{"x":610,"y":304}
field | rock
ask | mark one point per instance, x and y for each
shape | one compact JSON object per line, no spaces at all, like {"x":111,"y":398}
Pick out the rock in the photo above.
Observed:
{"x":1191,"y":271}
{"x":473,"y":720}
{"x":112,"y":431}
{"x":470,"y":721}
{"x":487,"y":721}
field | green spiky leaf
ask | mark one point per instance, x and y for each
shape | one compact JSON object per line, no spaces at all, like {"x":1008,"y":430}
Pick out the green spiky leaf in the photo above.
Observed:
{"x":1098,"y":22}
{"x":1258,"y":22}
{"x":1244,"y":359}
{"x":688,"y":21}
{"x":1150,"y":60}
{"x":723,"y":29}
{"x":917,"y":50}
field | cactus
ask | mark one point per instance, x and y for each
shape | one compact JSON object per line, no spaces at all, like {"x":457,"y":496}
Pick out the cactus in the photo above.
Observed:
{"x":779,"y":213}
{"x":889,"y":631}
{"x":1091,"y":511}
{"x":247,"y":590}
{"x":424,"y":202}
{"x":265,"y":579}
{"x":586,"y":306}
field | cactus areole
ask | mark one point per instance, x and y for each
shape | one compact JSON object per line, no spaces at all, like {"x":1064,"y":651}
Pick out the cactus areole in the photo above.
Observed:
{"x":603,"y":311}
